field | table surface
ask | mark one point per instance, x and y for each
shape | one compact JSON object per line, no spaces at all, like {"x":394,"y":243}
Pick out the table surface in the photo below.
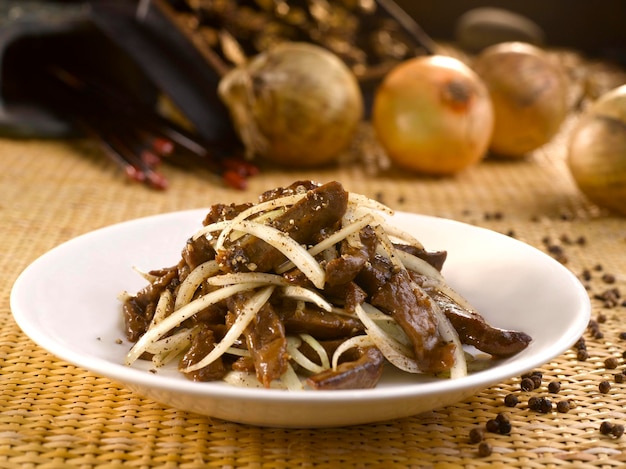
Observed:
{"x":54,"y":414}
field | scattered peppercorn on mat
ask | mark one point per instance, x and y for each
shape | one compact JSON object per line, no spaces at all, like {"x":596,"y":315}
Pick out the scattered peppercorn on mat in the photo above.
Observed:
{"x":569,"y":412}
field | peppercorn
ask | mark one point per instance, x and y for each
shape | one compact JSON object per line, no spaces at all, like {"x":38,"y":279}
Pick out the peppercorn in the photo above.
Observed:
{"x":617,"y":431}
{"x":505,"y":428}
{"x":601,"y":318}
{"x":622,"y":336}
{"x":582,"y":355}
{"x":604,"y":386}
{"x":611,"y":363}
{"x":511,"y":400}
{"x":484,"y":449}
{"x":527,"y":384}
{"x":619,"y":378}
{"x":606,"y":427}
{"x":540,"y":404}
{"x":608,"y":278}
{"x":493,"y":426}
{"x":476,"y":435}
{"x":554,"y":387}
{"x":545,"y":406}
{"x":562,"y":406}
{"x":536,"y":380}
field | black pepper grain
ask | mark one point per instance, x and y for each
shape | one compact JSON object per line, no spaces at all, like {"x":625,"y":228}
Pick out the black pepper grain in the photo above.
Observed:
{"x":527,"y":384}
{"x":608,"y":278}
{"x":619,"y":377}
{"x":604,"y":387}
{"x":511,"y":400}
{"x":492,"y":426}
{"x":545,"y":405}
{"x":504,"y":423}
{"x":611,"y":363}
{"x":554,"y":387}
{"x":540,"y":404}
{"x":582,"y":355}
{"x":606,"y":427}
{"x":563,"y":407}
{"x":617,"y":431}
{"x":484,"y":449}
{"x":476,"y":435}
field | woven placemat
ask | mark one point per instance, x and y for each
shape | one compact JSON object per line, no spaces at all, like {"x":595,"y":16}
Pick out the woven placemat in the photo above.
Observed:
{"x":53,"y":414}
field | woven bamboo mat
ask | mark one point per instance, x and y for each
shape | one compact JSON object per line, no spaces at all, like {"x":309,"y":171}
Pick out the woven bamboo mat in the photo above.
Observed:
{"x":53,"y":414}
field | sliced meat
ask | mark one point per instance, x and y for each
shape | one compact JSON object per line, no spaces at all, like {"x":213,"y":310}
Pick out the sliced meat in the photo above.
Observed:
{"x":412,"y":310}
{"x":138,"y":310}
{"x":362,"y":373}
{"x":321,"y":208}
{"x":474,"y":330}
{"x":202,"y":343}
{"x":265,"y":340}
{"x":318,"y":323}
{"x":347,"y":266}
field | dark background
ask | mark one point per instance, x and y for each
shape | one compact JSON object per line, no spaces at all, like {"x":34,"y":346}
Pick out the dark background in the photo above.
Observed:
{"x":597,"y":27}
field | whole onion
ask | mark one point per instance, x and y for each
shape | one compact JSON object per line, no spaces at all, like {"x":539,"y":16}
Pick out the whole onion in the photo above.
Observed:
{"x":295,"y":104}
{"x":529,"y":96}
{"x":597,"y":151}
{"x":433,"y":115}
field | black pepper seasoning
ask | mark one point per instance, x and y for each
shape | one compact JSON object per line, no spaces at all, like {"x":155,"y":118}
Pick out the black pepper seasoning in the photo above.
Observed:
{"x":604,"y":387}
{"x":484,"y":449}
{"x":511,"y":400}
{"x":527,"y":384}
{"x":476,"y":435}
{"x":554,"y":387}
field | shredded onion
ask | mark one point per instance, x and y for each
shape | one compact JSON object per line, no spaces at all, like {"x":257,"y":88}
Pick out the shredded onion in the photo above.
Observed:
{"x":356,"y":341}
{"x":257,"y":208}
{"x":397,"y":353}
{"x":304,"y":294}
{"x":289,"y":247}
{"x":185,"y":312}
{"x":244,"y":318}
{"x":297,"y":356}
{"x":315,"y":345}
{"x":191,"y":283}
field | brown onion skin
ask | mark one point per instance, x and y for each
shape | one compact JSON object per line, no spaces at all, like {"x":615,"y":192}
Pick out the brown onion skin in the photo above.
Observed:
{"x":433,"y":116}
{"x":295,"y":104}
{"x":529,"y":95}
{"x":597,"y":151}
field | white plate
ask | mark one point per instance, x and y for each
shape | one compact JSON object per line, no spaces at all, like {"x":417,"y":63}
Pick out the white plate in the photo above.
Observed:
{"x":66,"y":302}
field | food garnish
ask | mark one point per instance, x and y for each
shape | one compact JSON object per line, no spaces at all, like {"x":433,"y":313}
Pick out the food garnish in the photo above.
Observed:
{"x":311,"y":287}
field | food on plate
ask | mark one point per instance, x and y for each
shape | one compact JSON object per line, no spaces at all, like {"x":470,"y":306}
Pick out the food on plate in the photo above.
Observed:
{"x":433,"y":115}
{"x":311,"y":287}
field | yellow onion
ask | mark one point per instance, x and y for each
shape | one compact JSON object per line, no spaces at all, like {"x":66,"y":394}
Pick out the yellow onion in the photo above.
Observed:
{"x":433,"y":115}
{"x":295,"y":104}
{"x":529,"y":96}
{"x":597,"y":151}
